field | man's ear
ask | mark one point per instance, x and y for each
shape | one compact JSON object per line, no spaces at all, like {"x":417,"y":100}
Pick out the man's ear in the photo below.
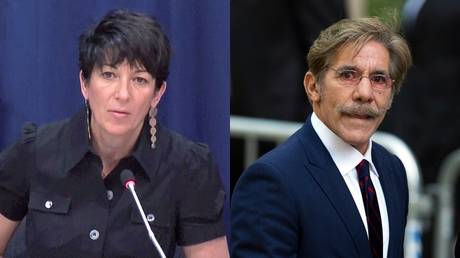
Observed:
{"x":83,"y":86}
{"x":310,"y":84}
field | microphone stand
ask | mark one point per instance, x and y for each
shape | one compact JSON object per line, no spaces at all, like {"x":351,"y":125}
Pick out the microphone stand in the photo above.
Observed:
{"x":130,"y":186}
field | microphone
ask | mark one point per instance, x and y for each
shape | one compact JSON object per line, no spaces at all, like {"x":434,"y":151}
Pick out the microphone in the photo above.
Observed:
{"x":128,"y":181}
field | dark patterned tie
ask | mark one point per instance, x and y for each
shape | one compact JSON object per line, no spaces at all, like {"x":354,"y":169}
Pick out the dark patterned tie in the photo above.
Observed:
{"x":374,"y":223}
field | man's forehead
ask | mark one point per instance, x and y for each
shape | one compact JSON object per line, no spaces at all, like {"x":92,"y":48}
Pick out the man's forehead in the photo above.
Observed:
{"x":371,"y":55}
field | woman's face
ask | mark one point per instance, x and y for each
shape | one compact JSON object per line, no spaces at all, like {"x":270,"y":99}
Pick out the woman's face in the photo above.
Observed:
{"x":119,"y":98}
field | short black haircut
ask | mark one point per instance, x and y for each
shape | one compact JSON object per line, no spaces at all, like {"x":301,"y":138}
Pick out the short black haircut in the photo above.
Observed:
{"x":123,"y":35}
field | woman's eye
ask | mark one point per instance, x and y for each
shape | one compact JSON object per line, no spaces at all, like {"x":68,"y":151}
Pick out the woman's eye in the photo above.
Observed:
{"x":140,"y":80}
{"x":108,"y":75}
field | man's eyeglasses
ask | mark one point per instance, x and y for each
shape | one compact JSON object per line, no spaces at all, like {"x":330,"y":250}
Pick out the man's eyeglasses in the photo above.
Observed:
{"x":351,"y":77}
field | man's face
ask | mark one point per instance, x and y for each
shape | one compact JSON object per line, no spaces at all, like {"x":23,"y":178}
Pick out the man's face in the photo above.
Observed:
{"x":353,"y":112}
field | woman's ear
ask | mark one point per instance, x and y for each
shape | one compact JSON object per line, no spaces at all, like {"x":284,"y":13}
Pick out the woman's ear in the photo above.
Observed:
{"x":83,"y":86}
{"x":158,"y":94}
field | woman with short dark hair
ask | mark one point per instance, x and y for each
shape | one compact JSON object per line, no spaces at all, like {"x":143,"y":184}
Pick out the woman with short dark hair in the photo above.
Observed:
{"x":65,"y":176}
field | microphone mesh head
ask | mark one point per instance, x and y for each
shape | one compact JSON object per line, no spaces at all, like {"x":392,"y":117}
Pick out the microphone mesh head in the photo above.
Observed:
{"x":126,"y":176}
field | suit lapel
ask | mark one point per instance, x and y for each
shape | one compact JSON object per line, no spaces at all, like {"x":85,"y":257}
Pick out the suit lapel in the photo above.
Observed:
{"x":323,"y":169}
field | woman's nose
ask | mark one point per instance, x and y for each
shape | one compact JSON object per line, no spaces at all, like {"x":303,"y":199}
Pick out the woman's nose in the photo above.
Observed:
{"x":122,"y":90}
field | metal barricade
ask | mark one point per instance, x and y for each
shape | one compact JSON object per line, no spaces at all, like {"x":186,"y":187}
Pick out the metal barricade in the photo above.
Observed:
{"x":419,"y":204}
{"x":444,"y":227}
{"x":253,"y":130}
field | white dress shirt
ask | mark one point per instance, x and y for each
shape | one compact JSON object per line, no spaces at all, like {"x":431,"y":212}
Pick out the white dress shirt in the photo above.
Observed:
{"x":346,"y":158}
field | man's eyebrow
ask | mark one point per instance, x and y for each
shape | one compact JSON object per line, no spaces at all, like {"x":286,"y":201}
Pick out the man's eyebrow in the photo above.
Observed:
{"x":379,"y":71}
{"x":355,"y":68}
{"x":347,"y":67}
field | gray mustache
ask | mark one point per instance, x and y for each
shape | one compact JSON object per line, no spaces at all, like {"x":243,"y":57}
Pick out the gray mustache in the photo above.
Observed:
{"x":362,"y":110}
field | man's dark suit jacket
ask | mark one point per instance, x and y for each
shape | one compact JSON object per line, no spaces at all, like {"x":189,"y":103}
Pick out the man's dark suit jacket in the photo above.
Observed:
{"x":293,"y":202}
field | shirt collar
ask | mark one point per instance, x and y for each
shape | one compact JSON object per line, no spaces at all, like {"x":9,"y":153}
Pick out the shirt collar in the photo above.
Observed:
{"x":79,"y":144}
{"x":76,"y":136}
{"x":345,"y":156}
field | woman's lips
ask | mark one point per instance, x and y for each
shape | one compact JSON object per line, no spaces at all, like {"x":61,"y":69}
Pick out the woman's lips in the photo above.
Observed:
{"x":119,"y":113}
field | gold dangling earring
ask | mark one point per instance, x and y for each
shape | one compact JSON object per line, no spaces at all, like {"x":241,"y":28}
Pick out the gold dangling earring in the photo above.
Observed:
{"x":88,"y":120}
{"x":153,"y":123}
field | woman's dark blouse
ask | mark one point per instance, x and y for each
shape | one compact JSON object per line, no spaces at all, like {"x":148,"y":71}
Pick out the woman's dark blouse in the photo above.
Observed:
{"x":53,"y":176}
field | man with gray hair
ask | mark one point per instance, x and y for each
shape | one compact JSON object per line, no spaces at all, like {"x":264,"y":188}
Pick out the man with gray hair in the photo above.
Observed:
{"x":329,"y":190}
